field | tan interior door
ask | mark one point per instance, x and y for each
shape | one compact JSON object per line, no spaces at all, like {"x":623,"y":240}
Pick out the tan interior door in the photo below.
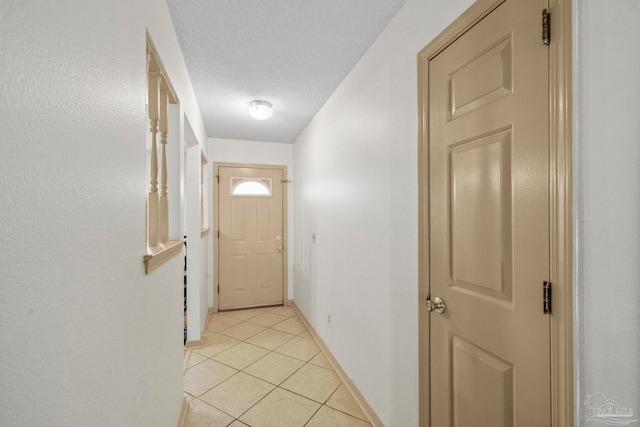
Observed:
{"x":251,"y":243}
{"x":489,"y":223}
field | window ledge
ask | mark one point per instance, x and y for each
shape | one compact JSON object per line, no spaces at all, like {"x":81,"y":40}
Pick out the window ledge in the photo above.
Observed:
{"x":160,"y":254}
{"x":204,"y":231}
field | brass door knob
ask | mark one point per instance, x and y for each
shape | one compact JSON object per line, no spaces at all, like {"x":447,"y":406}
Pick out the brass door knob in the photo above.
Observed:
{"x":437,"y":305}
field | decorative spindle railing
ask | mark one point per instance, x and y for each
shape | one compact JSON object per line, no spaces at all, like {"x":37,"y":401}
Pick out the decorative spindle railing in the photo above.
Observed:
{"x":159,"y":96}
{"x":152,"y":196}
{"x":163,"y":211}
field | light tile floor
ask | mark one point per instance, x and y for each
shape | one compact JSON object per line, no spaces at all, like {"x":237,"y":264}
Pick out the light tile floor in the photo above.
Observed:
{"x":261,"y":368}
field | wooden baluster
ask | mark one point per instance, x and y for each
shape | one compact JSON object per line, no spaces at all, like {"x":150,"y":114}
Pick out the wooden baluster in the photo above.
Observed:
{"x":152,"y":197}
{"x":163,"y":213}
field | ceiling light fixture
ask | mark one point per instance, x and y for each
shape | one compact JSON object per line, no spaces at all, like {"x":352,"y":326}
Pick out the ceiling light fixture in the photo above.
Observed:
{"x":260,"y":110}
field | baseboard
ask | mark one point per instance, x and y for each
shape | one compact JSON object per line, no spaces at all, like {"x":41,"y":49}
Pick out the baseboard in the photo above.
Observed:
{"x":190,"y":345}
{"x":185,"y":361}
{"x":204,"y":327}
{"x":198,"y":343}
{"x":182,"y":421}
{"x":371,"y":415}
{"x":288,"y":302}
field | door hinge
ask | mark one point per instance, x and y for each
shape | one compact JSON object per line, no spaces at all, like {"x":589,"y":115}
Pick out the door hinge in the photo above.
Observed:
{"x":218,"y":178}
{"x":285,"y":181}
{"x":218,"y":234}
{"x":546,"y":27}
{"x":218,"y":288}
{"x":546,"y":297}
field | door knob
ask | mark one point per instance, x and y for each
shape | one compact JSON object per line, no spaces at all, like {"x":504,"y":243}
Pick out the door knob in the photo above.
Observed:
{"x":281,"y":245}
{"x":437,"y":305}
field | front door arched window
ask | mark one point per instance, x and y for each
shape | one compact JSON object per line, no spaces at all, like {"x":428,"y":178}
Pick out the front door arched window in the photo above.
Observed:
{"x":258,"y":187}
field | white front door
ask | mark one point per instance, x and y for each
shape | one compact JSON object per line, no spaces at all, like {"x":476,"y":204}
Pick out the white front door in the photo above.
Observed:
{"x":251,"y":239}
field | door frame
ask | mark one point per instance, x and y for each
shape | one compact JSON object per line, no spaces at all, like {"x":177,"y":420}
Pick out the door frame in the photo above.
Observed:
{"x":560,"y":204}
{"x":216,"y":240}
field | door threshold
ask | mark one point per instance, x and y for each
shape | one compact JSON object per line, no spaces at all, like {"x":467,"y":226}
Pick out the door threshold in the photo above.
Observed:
{"x":252,"y":306}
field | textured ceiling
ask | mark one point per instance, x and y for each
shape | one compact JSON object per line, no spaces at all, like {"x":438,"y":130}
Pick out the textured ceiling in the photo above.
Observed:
{"x":292,"y":53}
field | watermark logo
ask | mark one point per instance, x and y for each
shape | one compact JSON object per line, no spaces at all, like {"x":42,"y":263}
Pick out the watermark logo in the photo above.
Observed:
{"x":607,"y":411}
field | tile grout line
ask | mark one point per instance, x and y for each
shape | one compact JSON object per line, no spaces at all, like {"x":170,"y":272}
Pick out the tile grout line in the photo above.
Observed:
{"x":271,"y":351}
{"x":276,"y":386}
{"x":314,"y":414}
{"x":340,"y":410}
{"x":290,"y":375}
{"x":367,"y":410}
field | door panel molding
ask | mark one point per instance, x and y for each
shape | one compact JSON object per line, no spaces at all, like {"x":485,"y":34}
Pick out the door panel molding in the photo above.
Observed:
{"x":285,"y":234}
{"x":560,"y":182}
{"x":498,"y":379}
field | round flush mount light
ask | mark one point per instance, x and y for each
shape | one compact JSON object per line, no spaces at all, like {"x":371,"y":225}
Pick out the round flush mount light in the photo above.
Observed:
{"x":260,"y":110}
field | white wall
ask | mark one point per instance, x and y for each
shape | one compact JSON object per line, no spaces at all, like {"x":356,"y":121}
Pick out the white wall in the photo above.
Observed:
{"x":192,"y":132}
{"x":207,"y":249}
{"x":197,"y":297}
{"x":264,"y":153}
{"x":165,"y":41}
{"x":87,"y":338}
{"x":356,"y":187}
{"x":607,"y":201}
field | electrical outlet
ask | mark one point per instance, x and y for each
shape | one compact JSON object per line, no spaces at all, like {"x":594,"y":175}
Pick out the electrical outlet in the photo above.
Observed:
{"x":313,"y":237}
